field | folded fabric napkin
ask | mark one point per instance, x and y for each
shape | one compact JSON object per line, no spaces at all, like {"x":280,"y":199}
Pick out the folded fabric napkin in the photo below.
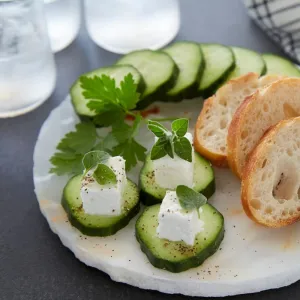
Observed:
{"x":280,"y":19}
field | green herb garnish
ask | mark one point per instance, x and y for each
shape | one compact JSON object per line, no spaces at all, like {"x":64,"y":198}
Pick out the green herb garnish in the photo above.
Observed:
{"x":104,"y":175}
{"x":92,"y":158}
{"x":170,"y":142}
{"x":189,"y":199}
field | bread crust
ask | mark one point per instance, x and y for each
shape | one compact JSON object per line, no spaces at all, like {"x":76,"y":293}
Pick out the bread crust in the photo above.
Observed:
{"x":260,"y":153}
{"x":248,"y":108}
{"x":217,"y":158}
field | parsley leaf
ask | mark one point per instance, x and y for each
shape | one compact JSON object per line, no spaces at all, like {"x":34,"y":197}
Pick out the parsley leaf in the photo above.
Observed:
{"x":128,"y":147}
{"x":104,"y":175}
{"x":180,"y":126}
{"x":108,"y":118}
{"x":81,"y":140}
{"x":183,"y":148}
{"x":72,"y":147}
{"x":105,"y":98}
{"x":190,"y":199}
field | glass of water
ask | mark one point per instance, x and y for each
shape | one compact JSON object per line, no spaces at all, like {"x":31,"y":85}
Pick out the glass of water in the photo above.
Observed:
{"x":27,"y":69}
{"x":63,"y":21}
{"x":122,"y":26}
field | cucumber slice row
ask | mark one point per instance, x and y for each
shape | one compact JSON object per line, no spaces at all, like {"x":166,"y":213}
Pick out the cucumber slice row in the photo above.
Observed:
{"x":247,"y":61}
{"x":279,"y":65}
{"x":189,"y":59}
{"x":151,"y":193}
{"x":177,"y":256}
{"x":95,"y":225}
{"x":158,"y":70}
{"x":116,"y":72}
{"x":219,"y":62}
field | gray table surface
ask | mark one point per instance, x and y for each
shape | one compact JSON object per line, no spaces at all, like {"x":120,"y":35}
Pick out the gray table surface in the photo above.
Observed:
{"x":33,"y":262}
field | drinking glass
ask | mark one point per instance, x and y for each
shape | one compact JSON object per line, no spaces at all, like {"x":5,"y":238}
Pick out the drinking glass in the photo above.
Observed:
{"x":27,"y":69}
{"x":122,"y":26}
{"x":63,"y":21}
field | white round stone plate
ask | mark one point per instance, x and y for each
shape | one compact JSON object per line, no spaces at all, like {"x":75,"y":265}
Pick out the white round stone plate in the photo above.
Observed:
{"x":251,"y":258}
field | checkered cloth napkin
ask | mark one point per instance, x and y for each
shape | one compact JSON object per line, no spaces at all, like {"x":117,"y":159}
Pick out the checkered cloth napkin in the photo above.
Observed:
{"x":280,"y":19}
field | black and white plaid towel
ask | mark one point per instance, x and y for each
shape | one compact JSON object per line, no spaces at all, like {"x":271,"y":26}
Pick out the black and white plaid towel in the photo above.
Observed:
{"x":280,"y":19}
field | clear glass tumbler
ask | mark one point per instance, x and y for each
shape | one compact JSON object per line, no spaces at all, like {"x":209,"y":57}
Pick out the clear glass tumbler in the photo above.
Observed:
{"x":122,"y":26}
{"x":63,"y":21}
{"x":27,"y":69}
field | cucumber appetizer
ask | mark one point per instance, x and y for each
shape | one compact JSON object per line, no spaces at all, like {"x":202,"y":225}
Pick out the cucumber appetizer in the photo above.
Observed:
{"x":173,"y":162}
{"x":247,"y":61}
{"x":279,"y":65}
{"x":179,"y":234}
{"x":189,"y":59}
{"x":219,"y":62}
{"x":116,"y":72}
{"x":159,"y":71}
{"x":102,"y":200}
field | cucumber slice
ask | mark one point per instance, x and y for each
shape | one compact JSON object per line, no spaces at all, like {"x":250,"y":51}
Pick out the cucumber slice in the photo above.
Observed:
{"x":219,"y":62}
{"x":189,"y":59}
{"x":178,"y":256}
{"x":247,"y":61}
{"x":95,"y":225}
{"x":158,"y":70}
{"x":279,"y":65}
{"x":151,"y":193}
{"x":116,"y":72}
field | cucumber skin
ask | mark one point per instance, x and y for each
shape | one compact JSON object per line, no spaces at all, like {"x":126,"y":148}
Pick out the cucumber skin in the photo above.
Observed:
{"x":186,"y":264}
{"x":102,"y":232}
{"x":192,"y":91}
{"x":149,"y":200}
{"x":160,"y":94}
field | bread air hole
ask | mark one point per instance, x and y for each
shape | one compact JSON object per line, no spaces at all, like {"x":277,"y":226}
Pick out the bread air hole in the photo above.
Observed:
{"x":266,"y":107}
{"x":256,"y":204}
{"x":289,"y":112}
{"x":268,"y":210}
{"x":223,"y":123}
{"x":244,"y":134}
{"x":286,"y":183}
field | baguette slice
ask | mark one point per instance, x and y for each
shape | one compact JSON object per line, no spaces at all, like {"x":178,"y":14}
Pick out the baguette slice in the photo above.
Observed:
{"x":265,"y":108}
{"x":212,"y":125}
{"x":271,"y":178}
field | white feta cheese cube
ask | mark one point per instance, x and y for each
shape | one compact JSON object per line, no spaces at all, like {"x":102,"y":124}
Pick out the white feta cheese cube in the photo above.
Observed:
{"x":170,"y":172}
{"x":175,"y":224}
{"x":104,"y":199}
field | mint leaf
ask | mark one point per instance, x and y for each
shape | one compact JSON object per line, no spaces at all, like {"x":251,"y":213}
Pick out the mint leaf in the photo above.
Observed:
{"x":189,"y":199}
{"x":158,"y":150}
{"x":180,"y":126}
{"x":183,"y":148}
{"x":81,"y":140}
{"x":104,"y":175}
{"x":127,"y":93}
{"x":92,"y":158}
{"x":158,"y":129}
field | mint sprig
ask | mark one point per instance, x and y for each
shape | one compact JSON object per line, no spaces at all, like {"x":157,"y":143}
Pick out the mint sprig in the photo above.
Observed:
{"x":104,"y":175}
{"x":190,"y":199}
{"x":93,"y":158}
{"x":170,"y":142}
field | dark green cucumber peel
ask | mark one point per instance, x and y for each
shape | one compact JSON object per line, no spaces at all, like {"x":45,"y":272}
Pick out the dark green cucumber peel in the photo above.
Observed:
{"x":222,"y":76}
{"x":76,"y":92}
{"x":151,"y":193}
{"x":177,"y":256}
{"x":190,"y":91}
{"x":94,"y":225}
{"x":148,"y":63}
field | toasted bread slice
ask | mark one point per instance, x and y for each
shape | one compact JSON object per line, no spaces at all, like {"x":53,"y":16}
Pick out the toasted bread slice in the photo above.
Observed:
{"x":212,"y":125}
{"x":265,"y":108}
{"x":271,"y":178}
